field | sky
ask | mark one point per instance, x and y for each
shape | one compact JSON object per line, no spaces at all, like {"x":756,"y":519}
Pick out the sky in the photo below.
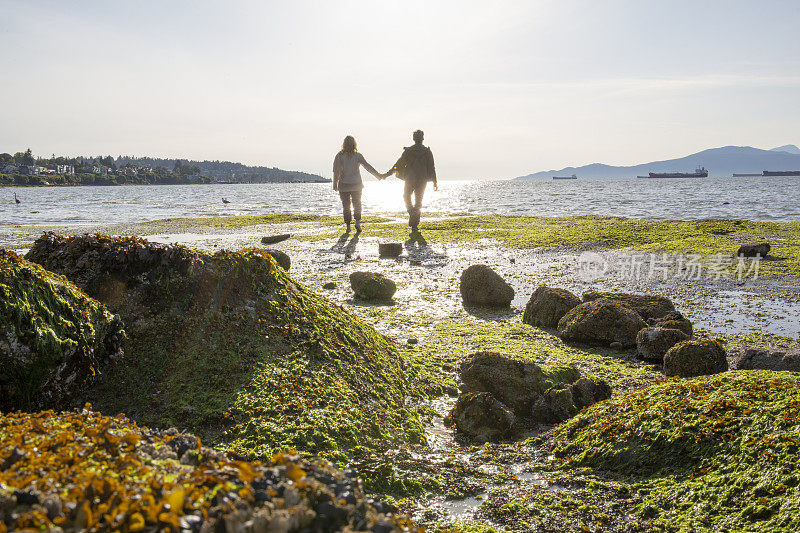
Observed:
{"x":501,"y":88}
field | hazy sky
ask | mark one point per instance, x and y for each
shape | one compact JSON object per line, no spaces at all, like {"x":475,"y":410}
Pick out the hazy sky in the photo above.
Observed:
{"x":500,"y":88}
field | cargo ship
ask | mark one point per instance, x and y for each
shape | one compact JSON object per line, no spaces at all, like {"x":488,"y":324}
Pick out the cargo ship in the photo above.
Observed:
{"x":781,"y":173}
{"x":700,"y":172}
{"x":573,"y":177}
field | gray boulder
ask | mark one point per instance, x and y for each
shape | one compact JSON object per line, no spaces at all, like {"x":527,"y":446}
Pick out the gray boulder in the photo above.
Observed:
{"x":372,"y":286}
{"x":548,"y":305}
{"x":695,"y":358}
{"x":600,"y":323}
{"x":482,"y":286}
{"x":769,"y":359}
{"x":653,"y":342}
{"x":479,"y":416}
{"x":648,"y":306}
{"x":752,"y":250}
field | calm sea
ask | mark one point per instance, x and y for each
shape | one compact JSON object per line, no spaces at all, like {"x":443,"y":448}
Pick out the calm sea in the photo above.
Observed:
{"x":768,"y":199}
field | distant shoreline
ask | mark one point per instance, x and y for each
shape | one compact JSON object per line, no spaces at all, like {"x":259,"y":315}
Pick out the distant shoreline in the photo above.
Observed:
{"x":66,"y":185}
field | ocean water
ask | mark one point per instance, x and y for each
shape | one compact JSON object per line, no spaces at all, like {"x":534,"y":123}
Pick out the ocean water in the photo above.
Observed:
{"x":755,"y":198}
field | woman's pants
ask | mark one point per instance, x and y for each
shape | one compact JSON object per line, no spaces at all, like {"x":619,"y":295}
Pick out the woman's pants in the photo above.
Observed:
{"x":351,"y":198}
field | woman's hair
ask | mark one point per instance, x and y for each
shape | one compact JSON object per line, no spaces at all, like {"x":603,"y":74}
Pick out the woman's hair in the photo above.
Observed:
{"x":349,"y":145}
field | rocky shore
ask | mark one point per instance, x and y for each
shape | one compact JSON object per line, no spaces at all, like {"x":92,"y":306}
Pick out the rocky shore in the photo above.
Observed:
{"x":476,"y":381}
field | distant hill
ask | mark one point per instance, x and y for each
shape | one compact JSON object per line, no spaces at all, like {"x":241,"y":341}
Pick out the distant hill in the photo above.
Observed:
{"x":228,"y":171}
{"x":788,"y":148}
{"x":719,"y":162}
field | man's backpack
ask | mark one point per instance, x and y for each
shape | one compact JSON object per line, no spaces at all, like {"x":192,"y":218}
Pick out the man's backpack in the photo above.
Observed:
{"x":414,"y":163}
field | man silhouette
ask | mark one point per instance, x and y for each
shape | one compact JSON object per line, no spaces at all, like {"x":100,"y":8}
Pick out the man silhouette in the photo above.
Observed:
{"x":416,"y":168}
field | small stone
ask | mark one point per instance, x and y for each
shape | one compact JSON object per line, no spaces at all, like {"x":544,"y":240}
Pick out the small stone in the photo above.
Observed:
{"x":282,"y":258}
{"x":412,"y":341}
{"x":329,"y":286}
{"x":615,"y":345}
{"x":274,"y":239}
{"x":760,"y":249}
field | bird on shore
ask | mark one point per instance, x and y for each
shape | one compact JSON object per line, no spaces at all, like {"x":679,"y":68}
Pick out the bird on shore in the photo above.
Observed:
{"x":17,"y":199}
{"x":225,"y":201}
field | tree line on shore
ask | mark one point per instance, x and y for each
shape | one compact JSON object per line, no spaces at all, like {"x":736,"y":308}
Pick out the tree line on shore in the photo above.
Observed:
{"x":24,"y":169}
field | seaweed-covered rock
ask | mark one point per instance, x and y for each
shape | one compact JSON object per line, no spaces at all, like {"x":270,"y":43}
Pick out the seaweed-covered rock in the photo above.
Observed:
{"x":648,"y":306}
{"x":52,"y":335}
{"x":728,"y":440}
{"x":482,"y":286}
{"x":673,"y":320}
{"x":120,"y":477}
{"x":760,"y":249}
{"x":563,"y":401}
{"x":372,"y":286}
{"x":601,"y":322}
{"x":282,"y":258}
{"x":695,"y":358}
{"x":769,"y":359}
{"x":479,"y":416}
{"x":231,"y":348}
{"x":515,"y":383}
{"x":653,"y":342}
{"x":548,"y":305}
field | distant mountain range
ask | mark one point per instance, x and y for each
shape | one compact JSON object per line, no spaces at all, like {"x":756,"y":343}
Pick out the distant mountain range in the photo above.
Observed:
{"x":720,"y":162}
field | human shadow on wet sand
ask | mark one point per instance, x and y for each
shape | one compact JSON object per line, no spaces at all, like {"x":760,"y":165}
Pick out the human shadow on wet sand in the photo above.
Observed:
{"x":418,"y":251}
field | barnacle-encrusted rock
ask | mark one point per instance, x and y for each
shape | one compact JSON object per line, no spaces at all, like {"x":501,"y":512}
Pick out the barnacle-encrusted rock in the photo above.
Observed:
{"x":83,"y":471}
{"x":52,"y":335}
{"x":653,"y":342}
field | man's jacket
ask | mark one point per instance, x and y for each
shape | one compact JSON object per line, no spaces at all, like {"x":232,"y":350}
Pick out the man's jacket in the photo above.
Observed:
{"x":416,"y":164}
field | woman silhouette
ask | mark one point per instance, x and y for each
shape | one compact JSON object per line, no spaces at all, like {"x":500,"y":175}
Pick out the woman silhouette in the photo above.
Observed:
{"x":347,"y":180}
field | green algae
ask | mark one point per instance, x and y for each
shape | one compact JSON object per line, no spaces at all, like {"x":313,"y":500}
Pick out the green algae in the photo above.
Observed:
{"x":708,"y":238}
{"x":54,"y":335}
{"x":711,"y":453}
{"x":231,"y":347}
{"x":461,"y":338}
{"x":235,"y":222}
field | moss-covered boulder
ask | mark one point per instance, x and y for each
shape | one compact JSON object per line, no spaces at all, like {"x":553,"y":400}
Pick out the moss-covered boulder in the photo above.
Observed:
{"x":232,"y":348}
{"x":372,"y":286}
{"x":648,"y":306}
{"x":548,"y":305}
{"x":564,"y":400}
{"x":80,"y":471}
{"x":601,"y":322}
{"x":712,"y":453}
{"x":653,"y":342}
{"x":517,"y":384}
{"x":695,"y":358}
{"x":52,"y":335}
{"x":479,"y":416}
{"x":481,"y":286}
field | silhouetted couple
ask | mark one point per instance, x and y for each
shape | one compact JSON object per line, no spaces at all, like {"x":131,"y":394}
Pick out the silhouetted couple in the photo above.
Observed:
{"x":415,"y":167}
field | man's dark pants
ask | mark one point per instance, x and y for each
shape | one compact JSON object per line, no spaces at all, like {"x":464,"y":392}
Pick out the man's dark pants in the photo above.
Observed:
{"x":414,"y":208}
